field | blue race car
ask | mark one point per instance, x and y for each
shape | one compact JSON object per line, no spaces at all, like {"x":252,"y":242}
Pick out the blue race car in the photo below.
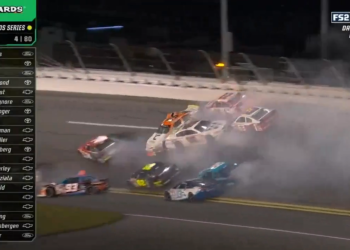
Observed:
{"x":219,"y":172}
{"x":211,"y":182}
{"x":76,"y":185}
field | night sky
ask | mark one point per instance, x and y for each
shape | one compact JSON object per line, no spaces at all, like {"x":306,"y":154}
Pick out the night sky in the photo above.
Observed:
{"x":287,"y":23}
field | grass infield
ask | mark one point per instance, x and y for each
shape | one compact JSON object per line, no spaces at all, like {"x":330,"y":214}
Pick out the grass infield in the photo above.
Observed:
{"x":54,"y":219}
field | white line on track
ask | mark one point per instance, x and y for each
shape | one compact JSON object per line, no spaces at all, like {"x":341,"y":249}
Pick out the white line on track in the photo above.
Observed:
{"x":240,"y":226}
{"x":110,"y":125}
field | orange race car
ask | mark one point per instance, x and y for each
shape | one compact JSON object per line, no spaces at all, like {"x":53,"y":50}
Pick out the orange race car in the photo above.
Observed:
{"x":172,"y":123}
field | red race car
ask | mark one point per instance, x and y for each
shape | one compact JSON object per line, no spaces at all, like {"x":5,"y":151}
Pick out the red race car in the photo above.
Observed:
{"x":255,"y":119}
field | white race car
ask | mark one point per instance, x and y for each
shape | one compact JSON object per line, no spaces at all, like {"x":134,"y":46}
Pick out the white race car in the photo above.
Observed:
{"x":196,"y":133}
{"x":171,"y":124}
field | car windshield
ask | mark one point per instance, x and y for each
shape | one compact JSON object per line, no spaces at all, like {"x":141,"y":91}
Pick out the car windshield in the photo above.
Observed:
{"x":163,"y":129}
{"x":203,"y":125}
{"x":260,"y":114}
{"x":104,"y":144}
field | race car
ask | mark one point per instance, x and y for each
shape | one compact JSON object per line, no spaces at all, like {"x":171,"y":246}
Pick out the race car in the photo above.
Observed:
{"x":172,"y":123}
{"x":229,"y":103}
{"x":76,"y":185}
{"x":218,"y":172}
{"x":155,"y":174}
{"x":255,"y":119}
{"x":211,"y":182}
{"x":196,"y":133}
{"x":102,"y":148}
{"x":191,"y":190}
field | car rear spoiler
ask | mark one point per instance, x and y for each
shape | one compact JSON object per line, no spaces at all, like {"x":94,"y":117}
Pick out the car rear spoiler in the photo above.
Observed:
{"x":192,"y":108}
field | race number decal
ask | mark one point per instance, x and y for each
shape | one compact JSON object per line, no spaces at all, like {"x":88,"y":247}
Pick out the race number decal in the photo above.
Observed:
{"x":70,"y":188}
{"x":180,"y":194}
{"x":141,"y":183}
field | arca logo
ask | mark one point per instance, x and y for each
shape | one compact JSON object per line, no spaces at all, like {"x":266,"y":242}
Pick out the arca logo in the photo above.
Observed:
{"x":11,"y":9}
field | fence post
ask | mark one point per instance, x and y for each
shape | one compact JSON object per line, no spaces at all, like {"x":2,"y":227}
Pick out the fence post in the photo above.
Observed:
{"x":121,"y":56}
{"x":210,"y":61}
{"x":252,"y":67}
{"x":335,"y":72}
{"x":294,"y":69}
{"x":165,"y":61}
{"x":76,"y":53}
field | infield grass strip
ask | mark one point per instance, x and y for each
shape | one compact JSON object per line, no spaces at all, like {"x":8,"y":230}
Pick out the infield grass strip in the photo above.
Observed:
{"x":54,"y":219}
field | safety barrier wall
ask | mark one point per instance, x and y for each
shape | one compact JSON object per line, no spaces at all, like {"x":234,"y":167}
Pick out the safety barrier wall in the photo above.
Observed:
{"x":122,"y":83}
{"x":178,"y":64}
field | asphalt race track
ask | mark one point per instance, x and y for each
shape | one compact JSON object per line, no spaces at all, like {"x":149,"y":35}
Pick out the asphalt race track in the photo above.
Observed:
{"x":152,"y":223}
{"x":306,"y":161}
{"x":226,"y":226}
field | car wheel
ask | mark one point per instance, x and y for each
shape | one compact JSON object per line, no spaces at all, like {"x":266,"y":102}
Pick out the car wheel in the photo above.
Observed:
{"x":50,"y":192}
{"x":167,"y":196}
{"x":190,"y":197}
{"x":91,"y":190}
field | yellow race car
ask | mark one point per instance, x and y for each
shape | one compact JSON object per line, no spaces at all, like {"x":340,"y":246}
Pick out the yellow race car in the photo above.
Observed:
{"x":155,"y":174}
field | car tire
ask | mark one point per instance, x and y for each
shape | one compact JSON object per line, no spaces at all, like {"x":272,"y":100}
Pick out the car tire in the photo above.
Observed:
{"x":91,"y":190}
{"x":190,"y":197}
{"x":50,"y":192}
{"x":167,"y":196}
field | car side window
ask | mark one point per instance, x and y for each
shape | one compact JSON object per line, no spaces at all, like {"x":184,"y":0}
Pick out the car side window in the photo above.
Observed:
{"x":177,"y":124}
{"x":222,"y":105}
{"x":241,"y":120}
{"x":182,"y":186}
{"x":71,"y":180}
{"x":184,"y":133}
{"x":87,"y":178}
{"x":249,"y":120}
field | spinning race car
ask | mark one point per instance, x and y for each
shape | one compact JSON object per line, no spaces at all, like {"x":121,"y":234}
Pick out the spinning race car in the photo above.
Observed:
{"x":196,"y":133}
{"x":104,"y":147}
{"x":155,"y":174}
{"x":211,"y":182}
{"x":229,"y":103}
{"x":76,"y":185}
{"x":255,"y":119}
{"x":171,"y":124}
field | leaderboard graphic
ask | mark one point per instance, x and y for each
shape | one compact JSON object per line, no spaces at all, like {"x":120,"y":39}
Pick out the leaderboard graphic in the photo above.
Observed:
{"x":17,"y":22}
{"x":17,"y":143}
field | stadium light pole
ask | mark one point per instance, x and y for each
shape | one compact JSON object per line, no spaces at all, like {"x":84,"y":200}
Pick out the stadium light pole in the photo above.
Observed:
{"x":324,"y":28}
{"x":224,"y":38}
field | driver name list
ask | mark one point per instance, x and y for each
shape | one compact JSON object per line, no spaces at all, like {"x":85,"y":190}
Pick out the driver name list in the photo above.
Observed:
{"x":17,"y":144}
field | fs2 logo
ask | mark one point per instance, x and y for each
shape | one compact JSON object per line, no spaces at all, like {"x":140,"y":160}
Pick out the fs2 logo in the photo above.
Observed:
{"x":340,"y":17}
{"x":11,"y":9}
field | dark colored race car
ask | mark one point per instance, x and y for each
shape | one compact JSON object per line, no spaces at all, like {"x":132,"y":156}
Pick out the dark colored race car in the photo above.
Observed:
{"x":211,"y":182}
{"x":104,"y":147}
{"x":76,"y":185}
{"x":155,"y":174}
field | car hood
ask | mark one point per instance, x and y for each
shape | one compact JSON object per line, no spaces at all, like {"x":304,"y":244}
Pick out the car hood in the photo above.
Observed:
{"x":155,"y":140}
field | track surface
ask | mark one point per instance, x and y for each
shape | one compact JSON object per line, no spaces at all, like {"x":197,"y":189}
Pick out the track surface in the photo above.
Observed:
{"x":57,"y":158}
{"x":222,"y":225}
{"x":304,"y":159}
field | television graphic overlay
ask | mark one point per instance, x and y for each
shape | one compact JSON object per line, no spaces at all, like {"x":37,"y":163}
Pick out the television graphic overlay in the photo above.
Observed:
{"x":17,"y":144}
{"x":17,"y":22}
